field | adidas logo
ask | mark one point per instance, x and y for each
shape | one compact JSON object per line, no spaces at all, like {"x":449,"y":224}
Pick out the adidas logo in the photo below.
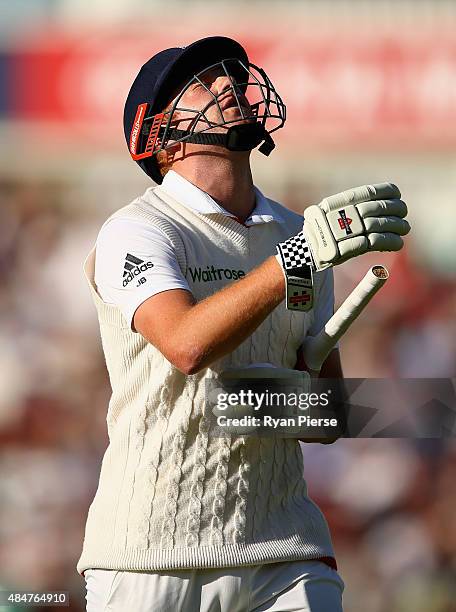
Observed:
{"x":134,"y":266}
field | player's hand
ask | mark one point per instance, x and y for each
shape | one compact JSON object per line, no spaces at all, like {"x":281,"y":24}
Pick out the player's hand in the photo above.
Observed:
{"x":350,"y":223}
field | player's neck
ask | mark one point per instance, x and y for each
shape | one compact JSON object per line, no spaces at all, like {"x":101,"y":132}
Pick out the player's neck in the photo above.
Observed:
{"x":227,"y":179}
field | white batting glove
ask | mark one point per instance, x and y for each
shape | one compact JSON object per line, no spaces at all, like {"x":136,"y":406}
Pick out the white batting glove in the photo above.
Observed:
{"x":350,"y":223}
{"x":342,"y":226}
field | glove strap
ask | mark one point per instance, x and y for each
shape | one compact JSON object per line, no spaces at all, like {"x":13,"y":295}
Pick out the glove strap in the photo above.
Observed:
{"x":297,"y":264}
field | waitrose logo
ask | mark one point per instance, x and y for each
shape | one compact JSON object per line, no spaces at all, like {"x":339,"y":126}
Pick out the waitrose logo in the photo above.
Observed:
{"x":208,"y":274}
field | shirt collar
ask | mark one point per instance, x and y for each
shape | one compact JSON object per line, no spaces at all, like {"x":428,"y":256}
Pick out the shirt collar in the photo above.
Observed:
{"x":194,"y":198}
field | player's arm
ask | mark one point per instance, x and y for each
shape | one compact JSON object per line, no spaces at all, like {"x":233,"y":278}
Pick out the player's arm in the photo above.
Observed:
{"x":136,"y":268}
{"x":193,"y":335}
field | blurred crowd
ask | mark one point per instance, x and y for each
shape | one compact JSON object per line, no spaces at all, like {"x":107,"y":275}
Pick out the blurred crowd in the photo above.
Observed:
{"x":390,"y":503}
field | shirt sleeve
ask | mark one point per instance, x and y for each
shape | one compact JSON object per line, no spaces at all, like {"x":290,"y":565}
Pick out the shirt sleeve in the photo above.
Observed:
{"x":324,"y":308}
{"x":134,"y":261}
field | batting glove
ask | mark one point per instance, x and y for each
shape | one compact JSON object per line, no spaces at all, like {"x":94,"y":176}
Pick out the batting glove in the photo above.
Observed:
{"x":348,"y":224}
{"x":342,"y":226}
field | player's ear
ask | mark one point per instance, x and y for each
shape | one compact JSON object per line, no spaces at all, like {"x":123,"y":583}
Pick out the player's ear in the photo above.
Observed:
{"x":166,"y":158}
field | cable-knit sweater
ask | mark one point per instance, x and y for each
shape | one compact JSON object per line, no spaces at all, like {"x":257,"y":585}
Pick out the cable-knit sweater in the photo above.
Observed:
{"x":170,"y":495}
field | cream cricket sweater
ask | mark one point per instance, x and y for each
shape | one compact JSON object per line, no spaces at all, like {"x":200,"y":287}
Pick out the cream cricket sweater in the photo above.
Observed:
{"x":170,"y":495}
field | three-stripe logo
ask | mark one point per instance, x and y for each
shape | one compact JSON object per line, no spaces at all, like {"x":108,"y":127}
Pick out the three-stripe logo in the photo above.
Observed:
{"x":130,"y":262}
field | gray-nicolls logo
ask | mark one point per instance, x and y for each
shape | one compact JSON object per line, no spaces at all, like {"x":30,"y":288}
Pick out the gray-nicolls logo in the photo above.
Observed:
{"x":322,"y":234}
{"x":133,"y":267}
{"x":344,"y":222}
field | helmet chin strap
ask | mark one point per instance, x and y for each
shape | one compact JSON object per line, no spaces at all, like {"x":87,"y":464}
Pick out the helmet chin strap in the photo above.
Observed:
{"x":243,"y":137}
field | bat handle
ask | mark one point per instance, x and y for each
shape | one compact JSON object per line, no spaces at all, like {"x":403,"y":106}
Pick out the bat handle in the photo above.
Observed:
{"x":317,"y":348}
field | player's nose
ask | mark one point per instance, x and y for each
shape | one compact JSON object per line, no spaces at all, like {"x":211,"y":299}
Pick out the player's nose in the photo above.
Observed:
{"x":222,"y":83}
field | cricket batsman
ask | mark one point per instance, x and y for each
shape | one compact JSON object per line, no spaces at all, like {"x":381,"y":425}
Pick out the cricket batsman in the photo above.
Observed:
{"x":199,"y":275}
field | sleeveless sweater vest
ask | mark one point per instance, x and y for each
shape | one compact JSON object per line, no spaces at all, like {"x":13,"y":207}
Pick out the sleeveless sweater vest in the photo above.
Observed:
{"x":170,"y":495}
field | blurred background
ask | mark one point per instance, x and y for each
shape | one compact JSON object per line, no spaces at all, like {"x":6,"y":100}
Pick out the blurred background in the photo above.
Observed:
{"x":370,"y":88}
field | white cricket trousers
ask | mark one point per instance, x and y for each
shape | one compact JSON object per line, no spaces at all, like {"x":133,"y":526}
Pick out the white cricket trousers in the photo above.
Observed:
{"x":304,"y":586}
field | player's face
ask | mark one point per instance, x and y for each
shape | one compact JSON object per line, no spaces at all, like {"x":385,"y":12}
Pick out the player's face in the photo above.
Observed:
{"x":217,"y":95}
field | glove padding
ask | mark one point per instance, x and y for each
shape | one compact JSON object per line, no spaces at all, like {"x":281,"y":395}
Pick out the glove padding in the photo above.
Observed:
{"x":350,"y":223}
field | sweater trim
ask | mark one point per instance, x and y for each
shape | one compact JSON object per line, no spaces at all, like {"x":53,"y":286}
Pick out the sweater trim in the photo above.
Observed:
{"x":293,"y":548}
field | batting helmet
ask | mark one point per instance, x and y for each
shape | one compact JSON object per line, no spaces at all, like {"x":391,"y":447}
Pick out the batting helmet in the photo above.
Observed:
{"x":148,"y":130}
